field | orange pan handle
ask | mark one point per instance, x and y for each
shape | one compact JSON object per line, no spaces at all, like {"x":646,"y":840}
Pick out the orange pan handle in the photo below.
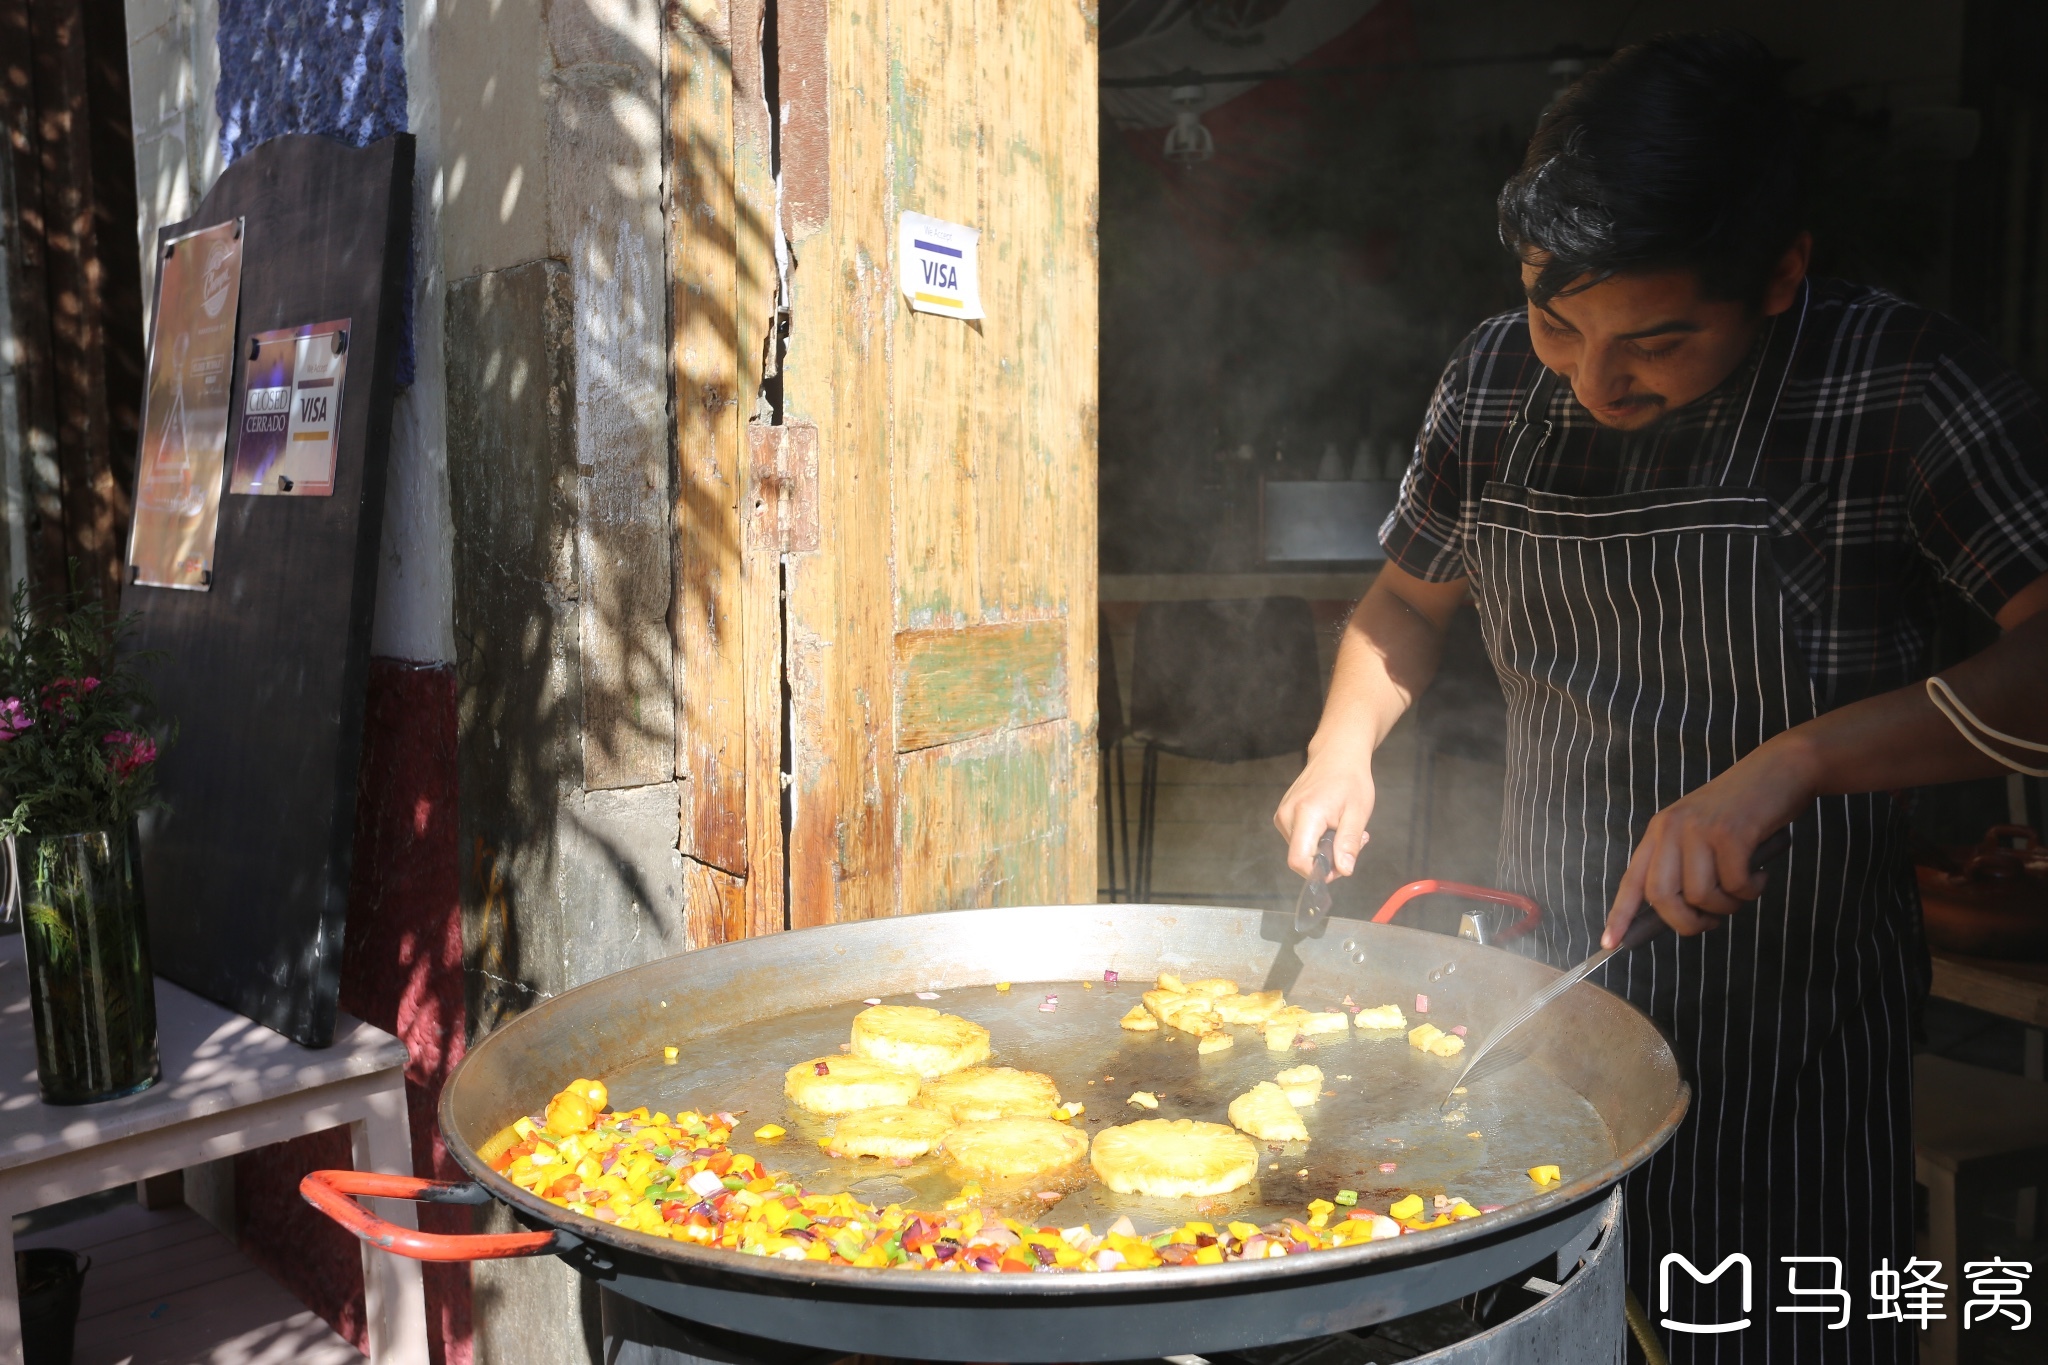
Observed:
{"x":332,"y":1193}
{"x":1532,"y":915}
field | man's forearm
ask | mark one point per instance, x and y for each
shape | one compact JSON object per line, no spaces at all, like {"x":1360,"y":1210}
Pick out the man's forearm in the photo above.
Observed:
{"x":1899,"y":739}
{"x":1387,"y":657}
{"x":1388,"y":654}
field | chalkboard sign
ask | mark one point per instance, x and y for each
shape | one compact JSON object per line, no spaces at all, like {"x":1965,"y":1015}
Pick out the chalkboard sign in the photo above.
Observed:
{"x":263,"y":669}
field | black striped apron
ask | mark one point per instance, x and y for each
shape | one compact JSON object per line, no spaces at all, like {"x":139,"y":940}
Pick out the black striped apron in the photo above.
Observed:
{"x":1641,"y":641}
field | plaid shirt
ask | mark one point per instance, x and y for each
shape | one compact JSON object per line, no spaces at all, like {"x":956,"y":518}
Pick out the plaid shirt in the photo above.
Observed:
{"x":1905,"y":454}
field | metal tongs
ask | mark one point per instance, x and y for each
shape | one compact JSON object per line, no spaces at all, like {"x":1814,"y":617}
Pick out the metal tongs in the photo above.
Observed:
{"x":1314,"y":905}
{"x":1648,"y":925}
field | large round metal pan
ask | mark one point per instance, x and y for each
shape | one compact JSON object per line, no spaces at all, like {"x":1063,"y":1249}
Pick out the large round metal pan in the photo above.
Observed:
{"x":1598,"y":1093}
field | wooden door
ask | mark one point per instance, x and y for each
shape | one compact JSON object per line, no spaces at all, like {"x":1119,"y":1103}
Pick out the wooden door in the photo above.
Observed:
{"x":885,"y":519}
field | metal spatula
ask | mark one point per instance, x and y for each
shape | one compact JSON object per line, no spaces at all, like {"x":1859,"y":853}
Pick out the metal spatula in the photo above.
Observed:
{"x":1648,"y":925}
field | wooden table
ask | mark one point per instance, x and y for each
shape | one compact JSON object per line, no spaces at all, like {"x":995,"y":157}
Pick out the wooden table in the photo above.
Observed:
{"x":228,"y":1085}
{"x":2017,"y":990}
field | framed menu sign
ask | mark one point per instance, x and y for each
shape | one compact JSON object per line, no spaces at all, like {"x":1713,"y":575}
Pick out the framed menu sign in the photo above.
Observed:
{"x":185,"y":410}
{"x":291,"y":411}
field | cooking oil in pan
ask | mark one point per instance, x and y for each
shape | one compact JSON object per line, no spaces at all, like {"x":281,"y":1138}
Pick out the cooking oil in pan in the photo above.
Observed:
{"x":1377,"y":1129}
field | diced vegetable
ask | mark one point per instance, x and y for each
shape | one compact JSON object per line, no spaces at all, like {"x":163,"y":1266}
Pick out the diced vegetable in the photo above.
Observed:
{"x":677,"y":1178}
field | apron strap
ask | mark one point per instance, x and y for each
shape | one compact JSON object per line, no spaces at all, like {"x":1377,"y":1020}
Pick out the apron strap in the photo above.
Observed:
{"x":1772,"y":370}
{"x":1530,"y":432}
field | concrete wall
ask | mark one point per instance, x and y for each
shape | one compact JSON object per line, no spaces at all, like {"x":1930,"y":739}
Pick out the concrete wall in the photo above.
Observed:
{"x":415,"y":597}
{"x":173,"y":68}
{"x":550,"y":196}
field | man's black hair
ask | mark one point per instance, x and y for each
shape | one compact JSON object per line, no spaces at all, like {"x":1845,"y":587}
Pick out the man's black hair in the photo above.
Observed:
{"x":1681,"y":152}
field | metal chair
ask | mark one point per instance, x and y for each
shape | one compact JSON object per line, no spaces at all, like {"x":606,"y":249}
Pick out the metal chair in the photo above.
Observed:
{"x":1461,"y":714}
{"x":1221,"y":681}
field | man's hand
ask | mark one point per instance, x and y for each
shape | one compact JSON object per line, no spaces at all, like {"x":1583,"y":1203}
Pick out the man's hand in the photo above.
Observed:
{"x":1696,"y":862}
{"x":1333,"y":792}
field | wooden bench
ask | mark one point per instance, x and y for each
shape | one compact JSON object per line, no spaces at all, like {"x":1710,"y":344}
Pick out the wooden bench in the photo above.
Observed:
{"x":229,"y":1085}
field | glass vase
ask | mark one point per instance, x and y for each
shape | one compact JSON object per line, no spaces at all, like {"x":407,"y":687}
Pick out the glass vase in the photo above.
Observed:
{"x":89,"y":980}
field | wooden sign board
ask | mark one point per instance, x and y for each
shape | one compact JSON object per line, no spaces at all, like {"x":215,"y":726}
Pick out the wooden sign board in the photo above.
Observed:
{"x":247,"y":872}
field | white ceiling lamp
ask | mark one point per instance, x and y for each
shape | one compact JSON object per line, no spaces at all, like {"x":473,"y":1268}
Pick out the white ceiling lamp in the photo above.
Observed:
{"x":1188,"y":141}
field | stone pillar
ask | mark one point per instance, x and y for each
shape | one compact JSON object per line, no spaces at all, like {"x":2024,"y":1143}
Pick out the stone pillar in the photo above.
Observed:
{"x":559,"y":471}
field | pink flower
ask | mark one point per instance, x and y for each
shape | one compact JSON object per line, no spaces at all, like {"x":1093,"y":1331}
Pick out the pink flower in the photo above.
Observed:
{"x":61,"y":690}
{"x":132,"y":752}
{"x":14,"y":718}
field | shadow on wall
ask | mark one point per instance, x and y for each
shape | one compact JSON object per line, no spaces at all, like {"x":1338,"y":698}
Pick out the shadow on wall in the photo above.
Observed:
{"x":536,"y":494}
{"x":576,"y":476}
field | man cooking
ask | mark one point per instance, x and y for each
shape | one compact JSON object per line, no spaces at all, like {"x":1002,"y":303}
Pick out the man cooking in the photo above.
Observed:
{"x":1708,"y":509}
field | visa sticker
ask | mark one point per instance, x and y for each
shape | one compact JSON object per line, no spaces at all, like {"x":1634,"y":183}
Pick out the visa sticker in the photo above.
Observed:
{"x":936,"y":263}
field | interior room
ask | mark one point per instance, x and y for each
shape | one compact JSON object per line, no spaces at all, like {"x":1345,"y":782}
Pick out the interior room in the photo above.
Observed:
{"x":1288,"y":259}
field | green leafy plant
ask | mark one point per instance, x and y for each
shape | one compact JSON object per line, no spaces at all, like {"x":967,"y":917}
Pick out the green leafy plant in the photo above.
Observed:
{"x":78,"y":738}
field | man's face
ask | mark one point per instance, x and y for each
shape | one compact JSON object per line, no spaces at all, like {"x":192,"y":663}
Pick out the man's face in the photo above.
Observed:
{"x":1635,"y":347}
